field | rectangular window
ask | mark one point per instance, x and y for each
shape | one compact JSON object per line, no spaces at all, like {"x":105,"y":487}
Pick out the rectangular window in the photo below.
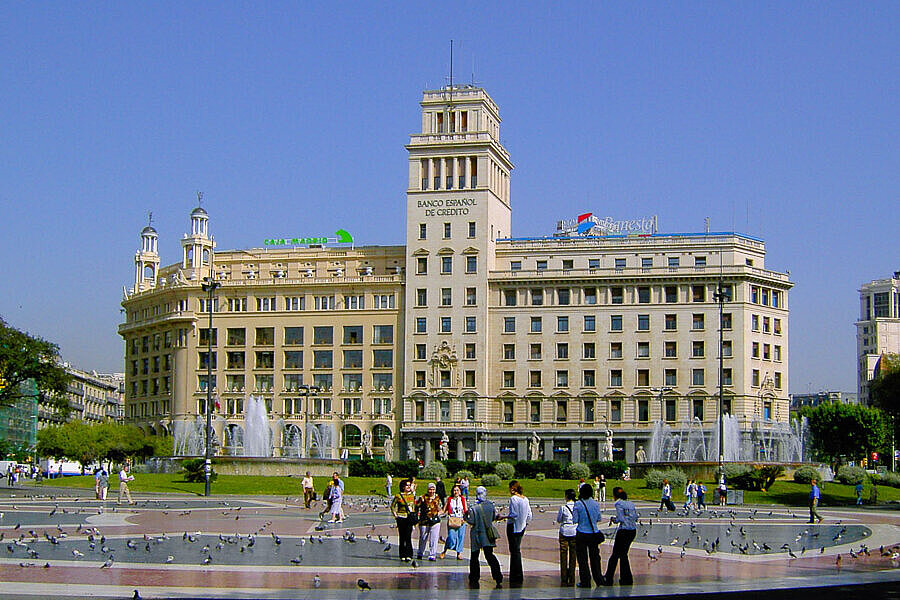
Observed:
{"x":589,"y":378}
{"x":265,"y":359}
{"x":265,"y":336}
{"x":562,"y":324}
{"x":470,"y":324}
{"x":420,"y":379}
{"x":647,"y":262}
{"x":754,"y":295}
{"x":293,"y":336}
{"x":726,"y":377}
{"x":674,"y":262}
{"x":643,"y":409}
{"x":423,"y":230}
{"x":353,"y":334}
{"x":697,"y":377}
{"x":563,"y":297}
{"x":754,"y":350}
{"x":643,"y":322}
{"x":776,"y":353}
{"x":562,"y":411}
{"x":383,"y":334}
{"x":697,"y":349}
{"x":236,"y":336}
{"x":421,"y":265}
{"x":265,"y":383}
{"x":643,"y":349}
{"x":671,"y":323}
{"x":767,"y":352}
{"x":670,"y":377}
{"x":235,"y":383}
{"x":470,"y":378}
{"x":446,"y":264}
{"x":643,"y":295}
{"x":324,"y":302}
{"x":421,"y":324}
{"x":568,"y":265}
{"x":471,"y":229}
{"x":446,"y":297}
{"x":237,"y":305}
{"x":698,"y":408}
{"x":355,"y":302}
{"x":265,"y":304}
{"x":590,"y":295}
{"x":589,"y":350}
{"x":615,"y":411}
{"x":776,"y":329}
{"x":590,"y":323}
{"x":766,"y":325}
{"x":509,"y":379}
{"x":536,"y":325}
{"x":421,"y":297}
{"x":620,"y":264}
{"x":562,"y":351}
{"x":515,"y":265}
{"x":382,"y":381}
{"x":420,"y":352}
{"x":508,"y":412}
{"x":534,"y":351}
{"x":205,"y":337}
{"x":593,"y":263}
{"x":537,"y":297}
{"x":615,"y":323}
{"x":615,"y":350}
{"x":293,"y":359}
{"x":535,"y":411}
{"x":470,"y":410}
{"x":471,"y":296}
{"x":671,"y":294}
{"x":324,"y":381}
{"x":698,"y":322}
{"x":765,"y":297}
{"x":726,"y":320}
{"x":382,"y":359}
{"x":204,"y":360}
{"x":643,"y":378}
{"x":384,"y":301}
{"x":509,"y":297}
{"x":541,"y":265}
{"x":776,"y":298}
{"x":698,"y":293}
{"x":777,"y":380}
{"x":445,"y":324}
{"x":671,"y":410}
{"x":509,"y":324}
{"x":616,"y":295}
{"x":446,"y":231}
{"x":509,"y":351}
{"x":615,"y":378}
{"x":754,"y":322}
{"x":562,"y":379}
{"x":699,"y":261}
{"x":322,"y":359}
{"x":471,"y":264}
{"x":726,"y":348}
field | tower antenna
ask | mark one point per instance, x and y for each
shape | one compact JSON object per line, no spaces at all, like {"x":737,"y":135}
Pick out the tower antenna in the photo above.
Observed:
{"x":149,"y":218}
{"x":200,"y":198}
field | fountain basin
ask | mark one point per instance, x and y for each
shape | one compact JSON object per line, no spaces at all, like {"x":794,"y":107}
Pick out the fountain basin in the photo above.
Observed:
{"x":254,"y":465}
{"x":707,"y":471}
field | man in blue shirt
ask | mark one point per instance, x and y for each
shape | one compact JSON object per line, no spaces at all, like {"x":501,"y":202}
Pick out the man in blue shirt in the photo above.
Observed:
{"x":588,"y":537}
{"x":626,"y":517}
{"x":814,"y":496}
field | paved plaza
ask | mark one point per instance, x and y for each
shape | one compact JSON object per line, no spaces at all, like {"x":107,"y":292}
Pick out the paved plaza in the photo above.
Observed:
{"x":71,"y":545}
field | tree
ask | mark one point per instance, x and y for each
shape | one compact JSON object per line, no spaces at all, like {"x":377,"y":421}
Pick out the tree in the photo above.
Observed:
{"x":23,"y":358}
{"x":842,"y":431}
{"x":86,"y":444}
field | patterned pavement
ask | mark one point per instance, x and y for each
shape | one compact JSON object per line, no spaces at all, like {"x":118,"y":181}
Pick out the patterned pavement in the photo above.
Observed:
{"x":264,"y":547}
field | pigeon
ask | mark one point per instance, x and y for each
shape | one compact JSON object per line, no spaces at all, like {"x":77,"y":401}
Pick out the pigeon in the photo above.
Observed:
{"x":362,"y":584}
{"x":650,"y":556}
{"x":207,"y":560}
{"x":317,"y":581}
{"x":387,"y":548}
{"x":170,"y":559}
{"x":137,"y":595}
{"x":77,"y":554}
{"x":791,"y":553}
{"x":298,"y":560}
{"x":108,"y":563}
{"x":130,"y":544}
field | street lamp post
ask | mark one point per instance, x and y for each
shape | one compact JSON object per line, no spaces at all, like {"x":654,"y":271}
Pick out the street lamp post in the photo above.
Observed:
{"x":209,"y":285}
{"x":720,"y":297}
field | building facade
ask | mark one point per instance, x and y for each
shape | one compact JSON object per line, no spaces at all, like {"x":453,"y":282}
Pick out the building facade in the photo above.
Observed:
{"x":798,"y":401}
{"x":92,"y":397}
{"x":878,"y":328}
{"x":466,"y":342}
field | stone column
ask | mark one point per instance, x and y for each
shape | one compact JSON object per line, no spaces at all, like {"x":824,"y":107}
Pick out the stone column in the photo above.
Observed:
{"x":522,"y":449}
{"x":548,"y":448}
{"x":460,"y":450}
{"x":428,"y":451}
{"x":629,"y":451}
{"x":575,"y":451}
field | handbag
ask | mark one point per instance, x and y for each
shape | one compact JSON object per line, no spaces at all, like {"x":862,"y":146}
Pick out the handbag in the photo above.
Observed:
{"x":454,"y":522}
{"x":489,"y":530}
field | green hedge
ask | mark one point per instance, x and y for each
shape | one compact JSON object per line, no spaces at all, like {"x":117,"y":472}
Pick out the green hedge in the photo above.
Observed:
{"x":194,"y":472}
{"x":755,"y":477}
{"x":851,"y":475}
{"x":805,"y":474}
{"x":611,"y":469}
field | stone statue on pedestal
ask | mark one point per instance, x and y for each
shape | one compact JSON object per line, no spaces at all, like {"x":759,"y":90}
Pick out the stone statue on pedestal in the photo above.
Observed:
{"x":410,"y":451}
{"x":534,"y":447}
{"x":608,"y":446}
{"x":389,"y":449}
{"x":444,"y":446}
{"x":640,"y":455}
{"x":367,"y":444}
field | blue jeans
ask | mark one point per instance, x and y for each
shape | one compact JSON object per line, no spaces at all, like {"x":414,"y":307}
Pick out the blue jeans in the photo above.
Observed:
{"x":455,"y":539}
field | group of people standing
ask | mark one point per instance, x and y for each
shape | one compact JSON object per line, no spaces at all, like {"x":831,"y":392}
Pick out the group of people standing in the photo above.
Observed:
{"x":426,"y":512}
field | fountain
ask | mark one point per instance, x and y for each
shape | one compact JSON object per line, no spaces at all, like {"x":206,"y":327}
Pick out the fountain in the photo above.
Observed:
{"x":188,"y":438}
{"x":321,"y":438}
{"x":257,"y":433}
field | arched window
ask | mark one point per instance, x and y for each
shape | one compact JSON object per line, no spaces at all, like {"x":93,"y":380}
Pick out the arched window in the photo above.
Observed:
{"x":379,"y":434}
{"x":351,"y":437}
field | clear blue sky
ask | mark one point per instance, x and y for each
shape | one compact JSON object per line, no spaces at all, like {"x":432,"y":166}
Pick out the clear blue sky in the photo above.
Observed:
{"x":779,"y":120}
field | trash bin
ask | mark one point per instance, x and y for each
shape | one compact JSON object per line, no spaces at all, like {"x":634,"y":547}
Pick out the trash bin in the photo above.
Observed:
{"x":735,"y":497}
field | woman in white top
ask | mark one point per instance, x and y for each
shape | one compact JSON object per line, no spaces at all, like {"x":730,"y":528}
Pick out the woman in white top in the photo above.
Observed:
{"x":456,"y":524}
{"x":567,"y":528}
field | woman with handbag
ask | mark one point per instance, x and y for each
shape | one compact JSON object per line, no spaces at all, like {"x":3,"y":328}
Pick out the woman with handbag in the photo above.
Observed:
{"x":456,"y":524}
{"x":484,"y":536}
{"x":588,"y":537}
{"x":403,"y":507}
{"x":429,"y":512}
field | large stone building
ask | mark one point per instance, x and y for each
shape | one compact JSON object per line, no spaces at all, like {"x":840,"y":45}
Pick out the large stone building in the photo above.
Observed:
{"x":92,"y":397}
{"x":878,"y":328}
{"x":466,"y":342}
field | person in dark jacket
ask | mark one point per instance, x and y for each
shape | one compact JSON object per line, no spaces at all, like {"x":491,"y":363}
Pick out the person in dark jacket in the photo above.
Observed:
{"x":481,"y":517}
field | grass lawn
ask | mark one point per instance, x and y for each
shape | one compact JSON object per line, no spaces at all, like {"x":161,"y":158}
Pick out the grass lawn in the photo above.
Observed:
{"x":783,"y":492}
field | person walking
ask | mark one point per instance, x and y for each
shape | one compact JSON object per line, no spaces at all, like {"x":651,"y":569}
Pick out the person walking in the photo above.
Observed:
{"x":814,"y":496}
{"x":388,"y":484}
{"x":588,"y":537}
{"x":456,"y":523}
{"x":565,"y":516}
{"x":441,"y":490}
{"x":666,"y":497}
{"x":517,"y":520}
{"x":723,"y":492}
{"x":103,"y":485}
{"x":483,"y":537}
{"x":701,"y":496}
{"x":626,"y":517}
{"x":600,"y":484}
{"x":403,"y":508}
{"x":687,"y":493}
{"x":429,"y":518}
{"x":309,"y":490}
{"x":338,"y":482}
{"x":859,"y":492}
{"x":124,"y":478}
{"x":336,"y":508}
{"x":464,"y":486}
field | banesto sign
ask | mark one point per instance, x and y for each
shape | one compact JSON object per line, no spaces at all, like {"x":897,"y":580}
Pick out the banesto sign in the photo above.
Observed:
{"x":588,"y":224}
{"x":449,"y":207}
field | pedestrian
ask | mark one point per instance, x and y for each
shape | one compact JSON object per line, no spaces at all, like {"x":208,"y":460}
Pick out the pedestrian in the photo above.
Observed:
{"x":326,"y":499}
{"x":665,"y":500}
{"x":814,"y":496}
{"x":456,"y":523}
{"x":124,"y":478}
{"x":97,"y":483}
{"x":103,"y":484}
{"x":388,"y":484}
{"x":441,"y":490}
{"x":403,"y":508}
{"x":481,"y":517}
{"x":588,"y":537}
{"x":688,"y":487}
{"x":565,"y":516}
{"x":859,"y":491}
{"x":337,"y":502}
{"x":517,"y":520}
{"x":600,"y":486}
{"x":428,"y":510}
{"x":336,"y":478}
{"x":309,"y":490}
{"x":626,"y":517}
{"x":723,"y":492}
{"x":701,"y":496}
{"x":464,"y":486}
